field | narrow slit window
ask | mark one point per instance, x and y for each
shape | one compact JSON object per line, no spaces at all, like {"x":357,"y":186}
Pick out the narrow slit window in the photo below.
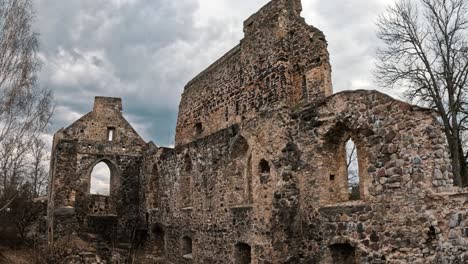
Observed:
{"x":353,"y":170}
{"x":154,"y":187}
{"x":110,"y":133}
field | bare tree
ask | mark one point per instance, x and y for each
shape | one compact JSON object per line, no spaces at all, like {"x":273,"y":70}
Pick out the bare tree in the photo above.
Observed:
{"x":426,"y":50}
{"x":37,"y":172}
{"x":25,"y":109}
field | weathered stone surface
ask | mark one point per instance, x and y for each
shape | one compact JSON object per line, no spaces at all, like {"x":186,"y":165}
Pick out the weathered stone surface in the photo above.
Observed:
{"x":259,"y":174}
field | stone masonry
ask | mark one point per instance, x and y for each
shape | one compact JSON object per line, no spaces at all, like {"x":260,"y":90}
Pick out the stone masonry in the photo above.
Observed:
{"x":259,"y":171}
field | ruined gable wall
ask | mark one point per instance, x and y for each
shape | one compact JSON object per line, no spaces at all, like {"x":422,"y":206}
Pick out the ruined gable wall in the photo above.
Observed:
{"x":77,"y":149}
{"x":107,"y":113}
{"x":281,"y":61}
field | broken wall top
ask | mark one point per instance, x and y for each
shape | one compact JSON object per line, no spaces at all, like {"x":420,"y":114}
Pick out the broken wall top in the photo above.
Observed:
{"x":281,"y":61}
{"x":96,"y":125}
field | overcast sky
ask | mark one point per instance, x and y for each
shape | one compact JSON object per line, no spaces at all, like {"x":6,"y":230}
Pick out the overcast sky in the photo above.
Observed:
{"x":100,"y":179}
{"x":145,"y":51}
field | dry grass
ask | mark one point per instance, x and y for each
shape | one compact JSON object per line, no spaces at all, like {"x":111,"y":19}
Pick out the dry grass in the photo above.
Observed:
{"x":21,"y":256}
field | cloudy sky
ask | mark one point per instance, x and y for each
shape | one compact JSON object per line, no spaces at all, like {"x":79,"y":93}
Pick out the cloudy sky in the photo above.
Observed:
{"x":100,"y":179}
{"x":146,"y":50}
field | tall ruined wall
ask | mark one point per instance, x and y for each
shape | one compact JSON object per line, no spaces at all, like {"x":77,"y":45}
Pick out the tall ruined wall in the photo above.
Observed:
{"x":72,"y":209}
{"x":280,"y":61}
{"x":214,"y":192}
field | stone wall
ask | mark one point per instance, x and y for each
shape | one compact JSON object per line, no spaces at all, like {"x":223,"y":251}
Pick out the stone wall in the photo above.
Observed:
{"x":293,"y":212}
{"x":404,"y":170}
{"x":72,"y":209}
{"x":259,"y":173}
{"x":280,"y":61}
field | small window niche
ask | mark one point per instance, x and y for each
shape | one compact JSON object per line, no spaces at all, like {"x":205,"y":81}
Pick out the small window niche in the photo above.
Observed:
{"x":187,"y":163}
{"x":159,"y":248}
{"x":186,"y":247}
{"x":110,"y":134}
{"x":264,"y":171}
{"x":264,"y":167}
{"x":243,"y":253}
{"x":343,"y":253}
{"x":198,"y":128}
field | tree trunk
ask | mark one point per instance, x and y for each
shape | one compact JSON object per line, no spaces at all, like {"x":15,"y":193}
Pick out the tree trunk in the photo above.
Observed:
{"x":455,"y":159}
{"x":463,"y":164}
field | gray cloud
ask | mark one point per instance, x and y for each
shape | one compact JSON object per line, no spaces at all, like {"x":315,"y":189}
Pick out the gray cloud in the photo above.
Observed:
{"x":100,"y":179}
{"x":351,"y":34}
{"x":146,"y":50}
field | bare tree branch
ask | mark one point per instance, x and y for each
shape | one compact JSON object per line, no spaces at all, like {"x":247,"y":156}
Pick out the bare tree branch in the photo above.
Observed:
{"x":426,"y":50}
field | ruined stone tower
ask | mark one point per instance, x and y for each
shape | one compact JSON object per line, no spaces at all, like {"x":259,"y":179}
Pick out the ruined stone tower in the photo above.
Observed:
{"x":259,"y":171}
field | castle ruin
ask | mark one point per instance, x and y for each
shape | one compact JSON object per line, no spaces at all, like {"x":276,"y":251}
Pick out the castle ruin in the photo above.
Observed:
{"x":259,"y":171}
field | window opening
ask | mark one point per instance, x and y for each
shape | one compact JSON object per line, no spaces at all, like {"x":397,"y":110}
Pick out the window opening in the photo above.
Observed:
{"x":188,"y":163}
{"x":159,"y":240}
{"x":352,"y":166}
{"x":243,"y":254}
{"x":100,"y":179}
{"x":198,"y":128}
{"x":187,"y":247}
{"x":343,"y":253}
{"x":110,"y":133}
{"x":154,"y":187}
{"x":186,"y":183}
{"x":264,"y":166}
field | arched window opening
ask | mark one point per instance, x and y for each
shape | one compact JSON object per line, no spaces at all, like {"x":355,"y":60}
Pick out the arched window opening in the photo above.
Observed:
{"x":264,"y":167}
{"x":352,"y":168}
{"x":186,"y":246}
{"x":100,"y":179}
{"x":243,"y":253}
{"x":343,"y":253}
